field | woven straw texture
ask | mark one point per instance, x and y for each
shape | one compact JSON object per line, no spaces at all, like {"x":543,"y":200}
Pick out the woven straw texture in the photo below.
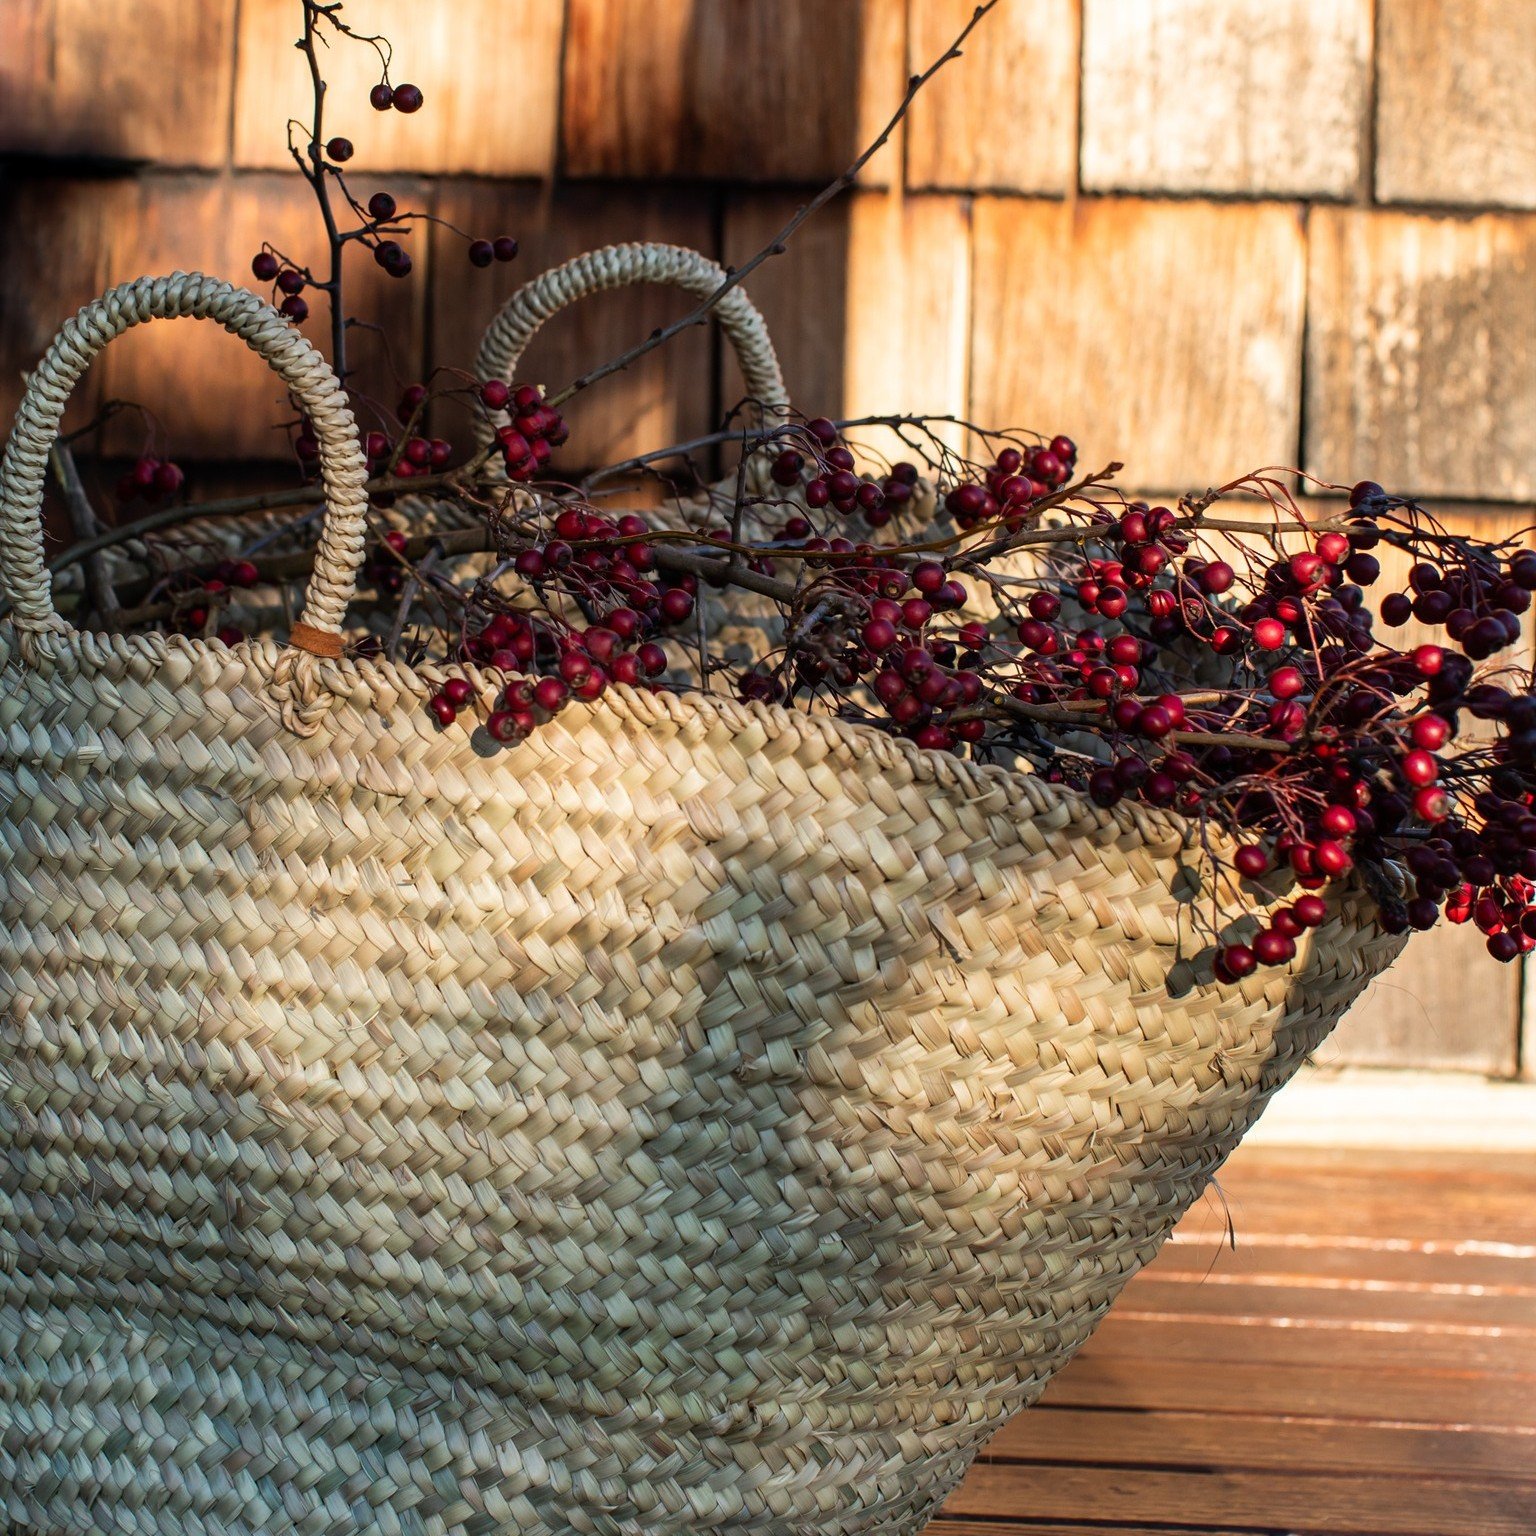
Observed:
{"x":699,"y":1118}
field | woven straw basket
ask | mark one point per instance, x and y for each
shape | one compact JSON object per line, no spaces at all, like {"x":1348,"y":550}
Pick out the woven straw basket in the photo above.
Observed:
{"x":699,"y":1118}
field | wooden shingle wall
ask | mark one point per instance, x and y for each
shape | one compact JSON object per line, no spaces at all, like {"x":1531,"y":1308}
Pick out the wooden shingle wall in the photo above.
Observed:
{"x":1199,"y":235}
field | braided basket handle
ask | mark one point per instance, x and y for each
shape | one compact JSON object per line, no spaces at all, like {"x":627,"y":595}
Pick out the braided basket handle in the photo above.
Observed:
{"x":617,"y":266}
{"x":24,"y":580}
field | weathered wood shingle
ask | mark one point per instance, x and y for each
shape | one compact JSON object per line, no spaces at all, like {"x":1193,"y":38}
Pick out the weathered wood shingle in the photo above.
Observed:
{"x":1253,"y":98}
{"x":1421,"y":368}
{"x":1164,"y":335}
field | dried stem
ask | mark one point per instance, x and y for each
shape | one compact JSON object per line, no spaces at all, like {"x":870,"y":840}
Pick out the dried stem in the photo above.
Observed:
{"x":83,"y":519}
{"x":775,"y":247}
{"x":311,"y":164}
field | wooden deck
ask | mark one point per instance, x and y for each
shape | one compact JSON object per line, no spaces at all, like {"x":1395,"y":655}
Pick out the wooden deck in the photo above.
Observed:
{"x":1364,"y":1364}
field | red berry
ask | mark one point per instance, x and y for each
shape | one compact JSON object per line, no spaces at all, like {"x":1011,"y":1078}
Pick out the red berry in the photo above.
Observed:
{"x":442,"y":706}
{"x":928,"y":576}
{"x":458,"y":692}
{"x":1286,"y":682}
{"x":1237,"y":960}
{"x":339,"y":149}
{"x":1331,"y":858}
{"x":295,"y":308}
{"x":1333,"y":547}
{"x":503,"y":725}
{"x":652,"y":659}
{"x":1251,"y":861}
{"x":407,"y":98}
{"x":1217,"y":577}
{"x":1504,"y":947}
{"x":550,"y":694}
{"x":381,"y":207}
{"x":1432,"y":803}
{"x":1431,"y":732}
{"x":676,"y":606}
{"x":1420,"y":768}
{"x":1273,"y":948}
{"x":264,"y":265}
{"x":1428,"y":659}
{"x":504,"y":248}
{"x":1269,"y":634}
{"x":1337,"y":821}
{"x":1310,"y":911}
{"x":481,"y":253}
{"x":381,"y":98}
{"x":1306,"y":568}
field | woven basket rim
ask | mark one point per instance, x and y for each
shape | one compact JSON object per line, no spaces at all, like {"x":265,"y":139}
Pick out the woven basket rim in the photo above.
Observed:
{"x":359,"y":674}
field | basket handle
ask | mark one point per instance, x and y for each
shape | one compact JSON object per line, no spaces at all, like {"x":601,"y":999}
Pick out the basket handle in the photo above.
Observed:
{"x":617,"y":266}
{"x":24,"y":580}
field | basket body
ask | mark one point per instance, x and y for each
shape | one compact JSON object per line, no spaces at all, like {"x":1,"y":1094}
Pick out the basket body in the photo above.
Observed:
{"x":698,"y":1118}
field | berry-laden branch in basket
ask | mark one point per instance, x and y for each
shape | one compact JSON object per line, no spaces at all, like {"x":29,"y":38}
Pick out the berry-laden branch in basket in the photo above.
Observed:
{"x":380,"y":225}
{"x":1220,"y":660}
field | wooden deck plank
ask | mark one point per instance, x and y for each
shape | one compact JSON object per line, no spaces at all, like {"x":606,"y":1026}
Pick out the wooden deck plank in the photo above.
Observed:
{"x":1220,"y":1295}
{"x":1204,"y":1442}
{"x":1364,"y":1364}
{"x":1342,"y":1392}
{"x":1260,"y":1338}
{"x":1307,"y":1260}
{"x":1327,"y":1504}
{"x":958,"y":1526}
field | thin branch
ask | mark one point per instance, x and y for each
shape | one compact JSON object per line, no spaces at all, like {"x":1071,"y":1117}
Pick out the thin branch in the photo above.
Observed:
{"x":315,"y":174}
{"x":84,"y":521}
{"x":408,"y":593}
{"x":775,"y":247}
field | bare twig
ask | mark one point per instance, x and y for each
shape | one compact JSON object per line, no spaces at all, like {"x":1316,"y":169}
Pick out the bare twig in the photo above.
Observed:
{"x":775,"y":247}
{"x":408,"y":593}
{"x":315,"y":174}
{"x":83,"y":519}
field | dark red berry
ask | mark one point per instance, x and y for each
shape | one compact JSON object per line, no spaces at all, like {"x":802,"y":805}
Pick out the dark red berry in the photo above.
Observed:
{"x":504,"y":248}
{"x":381,"y":98}
{"x":407,"y":98}
{"x":339,"y":149}
{"x":381,"y":207}
{"x":1251,"y":861}
{"x":480,"y":253}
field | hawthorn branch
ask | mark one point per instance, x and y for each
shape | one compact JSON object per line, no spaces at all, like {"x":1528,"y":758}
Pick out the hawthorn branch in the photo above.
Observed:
{"x":315,"y":174}
{"x":775,"y":247}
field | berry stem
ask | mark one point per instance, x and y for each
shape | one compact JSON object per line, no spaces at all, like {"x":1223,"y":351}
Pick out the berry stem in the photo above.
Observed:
{"x":314,"y":172}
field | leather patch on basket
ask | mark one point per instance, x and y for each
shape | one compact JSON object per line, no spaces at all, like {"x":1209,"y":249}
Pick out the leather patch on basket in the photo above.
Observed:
{"x":318,"y":642}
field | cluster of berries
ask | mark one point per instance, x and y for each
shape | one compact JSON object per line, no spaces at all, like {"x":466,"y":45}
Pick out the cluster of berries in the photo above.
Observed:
{"x":150,"y":479}
{"x":606,"y":568}
{"x":536,"y":429}
{"x":1012,"y":485}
